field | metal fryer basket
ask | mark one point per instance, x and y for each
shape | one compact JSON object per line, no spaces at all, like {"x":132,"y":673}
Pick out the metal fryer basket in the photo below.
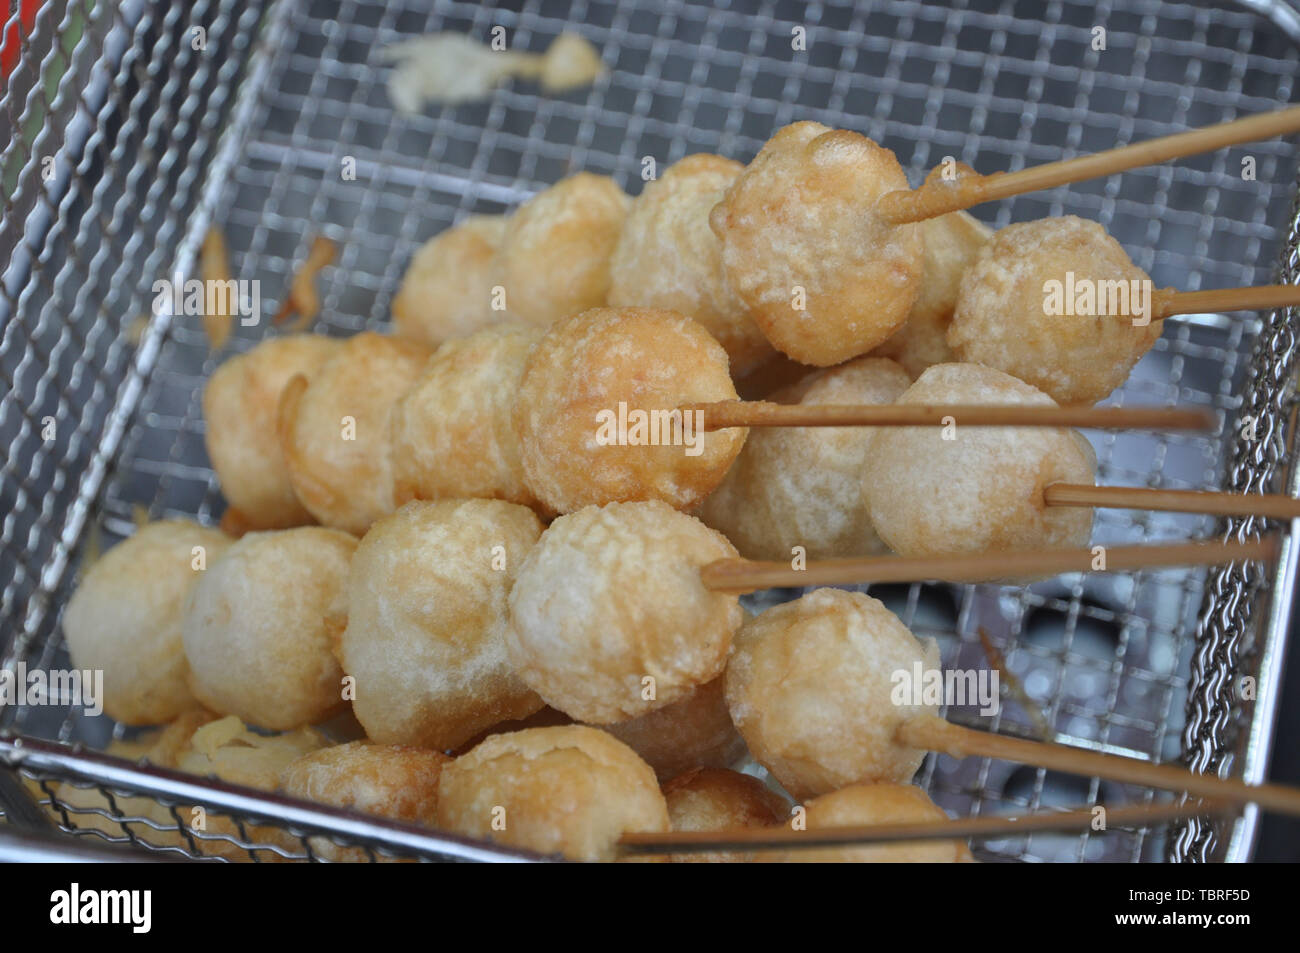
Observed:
{"x":151,"y":140}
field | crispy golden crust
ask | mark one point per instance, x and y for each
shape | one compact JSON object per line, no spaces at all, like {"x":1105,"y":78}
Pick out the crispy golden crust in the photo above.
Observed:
{"x":255,"y":628}
{"x":453,"y":435}
{"x":809,"y":686}
{"x":578,"y":375}
{"x":866,"y":804}
{"x":571,"y":791}
{"x":554,"y":257}
{"x":240,"y":403}
{"x":125,"y":619}
{"x":802,"y":216}
{"x":1000,"y":318}
{"x":712,"y":799}
{"x":981,"y":490}
{"x":668,"y":257}
{"x":447,"y":289}
{"x":952,"y":243}
{"x":612,"y":595}
{"x":335,"y":430}
{"x":426,"y":619}
{"x":694,"y":732}
{"x":802,"y":486}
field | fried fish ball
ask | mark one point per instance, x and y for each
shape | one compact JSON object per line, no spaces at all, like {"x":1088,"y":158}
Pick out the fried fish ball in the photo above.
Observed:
{"x":125,"y":618}
{"x":668,"y":257}
{"x":594,"y":410}
{"x":256,"y":634}
{"x":933,"y":491}
{"x":391,"y":781}
{"x":447,"y":289}
{"x":712,"y":799}
{"x":802,"y":486}
{"x":609,"y":619}
{"x":952,"y":243}
{"x":864,"y":805}
{"x":453,"y":434}
{"x":335,"y":429}
{"x":809,"y":686}
{"x":693,"y":732}
{"x":554,"y":256}
{"x":240,"y":405}
{"x":426,"y":605}
{"x":825,"y":278}
{"x":572,"y":790}
{"x":1002,"y":316}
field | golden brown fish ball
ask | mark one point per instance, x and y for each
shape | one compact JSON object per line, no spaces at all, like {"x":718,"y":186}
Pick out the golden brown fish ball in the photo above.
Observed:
{"x":712,"y":799}
{"x":453,"y":434}
{"x":865,"y":805}
{"x":609,"y":619}
{"x":952,"y":243}
{"x":810,"y":688}
{"x":802,"y":486}
{"x":390,"y":781}
{"x":335,"y":430}
{"x":447,"y":289}
{"x":572,"y":791}
{"x":240,"y":407}
{"x":668,"y":257}
{"x":426,"y":610}
{"x":936,"y":491}
{"x":693,"y":732}
{"x":596,"y":412}
{"x":126,"y":618}
{"x":1057,"y":303}
{"x":554,"y":256}
{"x":825,"y":278}
{"x":256,"y":634}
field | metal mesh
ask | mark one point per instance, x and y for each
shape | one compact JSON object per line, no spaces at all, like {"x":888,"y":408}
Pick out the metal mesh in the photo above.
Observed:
{"x":152,"y":143}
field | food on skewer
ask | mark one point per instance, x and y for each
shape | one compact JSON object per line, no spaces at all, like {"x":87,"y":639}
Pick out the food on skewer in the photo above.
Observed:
{"x":572,"y":790}
{"x":125,"y":618}
{"x":713,"y":799}
{"x":668,"y":257}
{"x":825,"y":277}
{"x":809,"y":687}
{"x":240,"y":405}
{"x":426,"y":614}
{"x":391,"y":781}
{"x":586,"y":385}
{"x":452,"y":432}
{"x":693,"y":732}
{"x":609,"y":618}
{"x":554,"y":256}
{"x":802,"y":486}
{"x":934,"y":491}
{"x":335,"y":432}
{"x":256,"y":635}
{"x":447,"y":289}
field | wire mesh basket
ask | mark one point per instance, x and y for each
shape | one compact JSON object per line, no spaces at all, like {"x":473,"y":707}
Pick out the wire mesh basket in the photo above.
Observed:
{"x":128,"y":137}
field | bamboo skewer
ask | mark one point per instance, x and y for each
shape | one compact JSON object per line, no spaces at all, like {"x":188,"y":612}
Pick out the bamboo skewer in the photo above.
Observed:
{"x":720,"y":415}
{"x":1210,"y":502}
{"x":1167,"y":301}
{"x":939,"y":198}
{"x":747,"y":575}
{"x":979,"y":827}
{"x":931,"y":733}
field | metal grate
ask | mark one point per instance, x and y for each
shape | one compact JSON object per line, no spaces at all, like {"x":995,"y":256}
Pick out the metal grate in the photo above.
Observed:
{"x":152,"y":142}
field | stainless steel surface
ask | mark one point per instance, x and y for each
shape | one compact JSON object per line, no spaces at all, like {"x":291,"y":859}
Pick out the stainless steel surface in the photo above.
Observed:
{"x":153,"y":140}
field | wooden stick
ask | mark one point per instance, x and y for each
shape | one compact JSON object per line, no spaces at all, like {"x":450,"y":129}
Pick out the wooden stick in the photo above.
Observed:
{"x":1212,"y":502}
{"x":761,"y":413}
{"x":747,"y":575}
{"x":939,"y":197}
{"x":983,"y":828}
{"x":934,"y":734}
{"x":1255,"y":298}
